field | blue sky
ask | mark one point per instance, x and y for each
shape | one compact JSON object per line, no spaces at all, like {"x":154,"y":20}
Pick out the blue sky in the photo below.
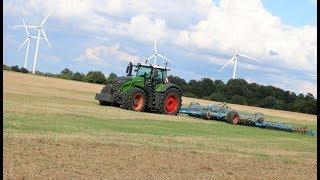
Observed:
{"x":198,"y":35}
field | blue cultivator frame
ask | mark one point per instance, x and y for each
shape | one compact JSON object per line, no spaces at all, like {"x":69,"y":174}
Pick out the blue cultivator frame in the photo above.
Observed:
{"x":222,"y":112}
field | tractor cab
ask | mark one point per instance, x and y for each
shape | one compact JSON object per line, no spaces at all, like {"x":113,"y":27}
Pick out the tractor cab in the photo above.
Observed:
{"x":150,"y":72}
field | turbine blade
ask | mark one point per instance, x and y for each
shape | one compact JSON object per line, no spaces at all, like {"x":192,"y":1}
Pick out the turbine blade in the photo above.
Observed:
{"x":45,"y":36}
{"x":150,"y":57}
{"x":44,"y":20}
{"x":312,"y":75}
{"x":165,"y":58}
{"x":227,"y":63}
{"x":23,"y":44}
{"x":250,"y":57}
{"x":35,"y":37}
{"x":24,"y":24}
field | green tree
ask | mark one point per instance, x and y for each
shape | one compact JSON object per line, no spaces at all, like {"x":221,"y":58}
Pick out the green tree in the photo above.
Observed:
{"x":310,"y":105}
{"x":194,"y":88}
{"x":206,"y":86}
{"x":50,"y":75}
{"x":267,"y":102}
{"x":237,"y":87}
{"x":218,"y":96}
{"x":111,"y":78}
{"x":96,"y":77}
{"x":237,"y":99}
{"x":23,"y":70}
{"x":66,"y":74}
{"x":15,"y":68}
{"x":278,"y":104}
{"x":6,"y":67}
{"x":189,"y":94}
{"x":299,"y":103}
{"x":78,"y":76}
{"x":219,"y":86}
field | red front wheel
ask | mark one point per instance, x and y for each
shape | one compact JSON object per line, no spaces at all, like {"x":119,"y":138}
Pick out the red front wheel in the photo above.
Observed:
{"x":134,"y":100}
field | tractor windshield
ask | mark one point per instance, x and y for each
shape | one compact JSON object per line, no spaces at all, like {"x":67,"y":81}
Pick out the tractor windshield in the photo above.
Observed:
{"x":141,"y":70}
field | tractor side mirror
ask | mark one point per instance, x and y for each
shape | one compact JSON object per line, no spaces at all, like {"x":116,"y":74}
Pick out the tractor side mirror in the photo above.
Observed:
{"x":129,"y":69}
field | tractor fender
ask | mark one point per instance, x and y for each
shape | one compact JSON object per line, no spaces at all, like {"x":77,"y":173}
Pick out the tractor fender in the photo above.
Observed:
{"x":164,"y":87}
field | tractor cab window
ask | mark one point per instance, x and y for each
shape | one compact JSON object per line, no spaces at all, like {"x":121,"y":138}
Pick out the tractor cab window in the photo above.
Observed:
{"x":141,"y":70}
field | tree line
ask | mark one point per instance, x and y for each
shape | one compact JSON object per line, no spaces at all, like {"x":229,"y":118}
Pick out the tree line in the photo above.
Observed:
{"x":237,"y":91}
{"x":92,"y":76}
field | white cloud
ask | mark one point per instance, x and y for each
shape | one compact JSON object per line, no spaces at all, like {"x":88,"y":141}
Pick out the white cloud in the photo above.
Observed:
{"x":143,"y":28}
{"x":294,"y":84}
{"x":255,"y":31}
{"x":107,"y":55}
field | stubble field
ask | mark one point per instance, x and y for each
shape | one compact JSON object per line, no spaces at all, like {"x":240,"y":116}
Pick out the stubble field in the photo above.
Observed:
{"x":54,"y":128}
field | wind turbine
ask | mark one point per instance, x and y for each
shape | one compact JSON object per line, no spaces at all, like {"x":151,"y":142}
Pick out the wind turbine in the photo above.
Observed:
{"x":28,"y":39}
{"x":156,"y":54}
{"x":40,"y":31}
{"x":235,"y":59}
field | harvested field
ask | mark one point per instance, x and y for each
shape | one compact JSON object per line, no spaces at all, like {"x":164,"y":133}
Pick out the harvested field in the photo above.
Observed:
{"x":55,"y":128}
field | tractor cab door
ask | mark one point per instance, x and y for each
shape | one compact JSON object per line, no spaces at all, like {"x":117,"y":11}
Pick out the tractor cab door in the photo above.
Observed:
{"x":159,"y":76}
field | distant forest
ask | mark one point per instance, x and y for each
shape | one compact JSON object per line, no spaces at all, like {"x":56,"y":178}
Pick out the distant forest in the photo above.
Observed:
{"x":236,"y":91}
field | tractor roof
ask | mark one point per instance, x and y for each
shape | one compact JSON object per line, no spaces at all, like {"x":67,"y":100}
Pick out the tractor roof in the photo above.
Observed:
{"x":153,"y":66}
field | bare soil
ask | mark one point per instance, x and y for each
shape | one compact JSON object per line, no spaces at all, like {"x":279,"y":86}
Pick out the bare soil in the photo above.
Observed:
{"x":79,"y":156}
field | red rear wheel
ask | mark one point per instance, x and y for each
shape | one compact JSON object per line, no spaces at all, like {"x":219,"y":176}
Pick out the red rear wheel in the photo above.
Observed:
{"x":171,"y":102}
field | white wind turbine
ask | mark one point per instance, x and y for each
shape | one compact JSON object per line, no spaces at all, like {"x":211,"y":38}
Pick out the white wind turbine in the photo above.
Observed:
{"x":156,"y":54}
{"x":235,"y":60}
{"x":28,"y":39}
{"x":40,"y":30}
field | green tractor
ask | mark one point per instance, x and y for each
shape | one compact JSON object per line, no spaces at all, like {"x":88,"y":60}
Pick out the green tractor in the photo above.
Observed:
{"x":147,"y":90}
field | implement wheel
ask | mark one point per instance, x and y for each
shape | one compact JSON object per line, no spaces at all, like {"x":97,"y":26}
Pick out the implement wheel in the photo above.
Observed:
{"x":134,"y":100}
{"x":232,"y":117}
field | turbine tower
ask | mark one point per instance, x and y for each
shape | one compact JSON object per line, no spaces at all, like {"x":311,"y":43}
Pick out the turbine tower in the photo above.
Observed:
{"x":235,"y":60}
{"x":40,"y":29}
{"x":28,"y":39}
{"x":156,"y":54}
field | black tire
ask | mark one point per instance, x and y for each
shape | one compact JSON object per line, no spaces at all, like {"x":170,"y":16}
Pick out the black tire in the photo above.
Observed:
{"x":105,"y":103}
{"x":163,"y":97}
{"x":232,"y":117}
{"x":128,"y":100}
